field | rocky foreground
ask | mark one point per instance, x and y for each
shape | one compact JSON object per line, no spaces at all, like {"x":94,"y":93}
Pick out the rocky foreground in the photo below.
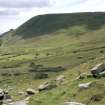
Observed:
{"x":97,"y":72}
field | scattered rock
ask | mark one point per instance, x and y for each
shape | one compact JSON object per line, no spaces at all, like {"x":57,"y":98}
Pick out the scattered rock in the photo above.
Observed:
{"x":30,"y":91}
{"x":84,"y":75}
{"x":46,"y":86}
{"x":85,"y":85}
{"x":72,"y":103}
{"x":27,"y":99}
{"x":22,"y":102}
{"x":1,"y":94}
{"x":80,"y":77}
{"x":98,"y":70}
{"x":60,"y":79}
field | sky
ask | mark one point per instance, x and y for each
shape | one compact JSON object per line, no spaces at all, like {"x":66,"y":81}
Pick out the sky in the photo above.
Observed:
{"x":13,"y":13}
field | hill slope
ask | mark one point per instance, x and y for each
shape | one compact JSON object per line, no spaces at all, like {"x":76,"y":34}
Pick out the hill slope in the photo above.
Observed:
{"x":46,"y":24}
{"x":73,"y":41}
{"x":53,"y":24}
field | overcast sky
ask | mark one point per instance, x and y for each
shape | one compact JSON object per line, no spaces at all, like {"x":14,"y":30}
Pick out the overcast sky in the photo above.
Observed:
{"x":15,"y":12}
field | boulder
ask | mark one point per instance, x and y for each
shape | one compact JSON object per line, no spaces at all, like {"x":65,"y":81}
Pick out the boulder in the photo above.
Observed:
{"x":72,"y":103}
{"x":30,"y":91}
{"x":98,"y":70}
{"x":60,"y":78}
{"x":85,"y":85}
{"x":1,"y":94}
{"x":46,"y":86}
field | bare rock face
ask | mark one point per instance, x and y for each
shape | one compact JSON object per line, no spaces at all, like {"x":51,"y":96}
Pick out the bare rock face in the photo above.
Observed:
{"x":72,"y":103}
{"x":98,"y":70}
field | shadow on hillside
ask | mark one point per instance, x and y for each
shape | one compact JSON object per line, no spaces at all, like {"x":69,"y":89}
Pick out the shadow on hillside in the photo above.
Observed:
{"x":45,"y":24}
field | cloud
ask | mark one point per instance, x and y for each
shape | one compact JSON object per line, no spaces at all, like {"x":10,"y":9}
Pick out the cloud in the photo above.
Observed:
{"x":15,"y":12}
{"x":8,"y":12}
{"x":24,"y":3}
{"x":10,"y":8}
{"x":90,"y":6}
{"x":67,"y":2}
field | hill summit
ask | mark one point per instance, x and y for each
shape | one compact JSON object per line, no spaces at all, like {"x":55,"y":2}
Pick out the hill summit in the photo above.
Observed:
{"x":50,"y":23}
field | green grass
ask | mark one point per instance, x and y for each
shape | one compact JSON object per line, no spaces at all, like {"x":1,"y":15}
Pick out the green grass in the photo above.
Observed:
{"x":75,"y":41}
{"x":69,"y":91}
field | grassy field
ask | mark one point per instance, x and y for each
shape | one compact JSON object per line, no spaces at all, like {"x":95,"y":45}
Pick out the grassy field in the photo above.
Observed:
{"x":77,"y":43}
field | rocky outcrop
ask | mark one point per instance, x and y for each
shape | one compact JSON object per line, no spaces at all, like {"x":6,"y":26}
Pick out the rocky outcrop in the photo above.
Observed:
{"x":98,"y":70}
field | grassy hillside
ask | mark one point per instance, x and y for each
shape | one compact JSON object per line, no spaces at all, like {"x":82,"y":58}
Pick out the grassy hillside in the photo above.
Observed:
{"x":74,"y":41}
{"x":54,"y":24}
{"x":45,"y":24}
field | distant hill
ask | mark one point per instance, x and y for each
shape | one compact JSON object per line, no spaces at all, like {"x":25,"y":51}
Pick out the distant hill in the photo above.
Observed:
{"x":52,"y":24}
{"x":49,"y":23}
